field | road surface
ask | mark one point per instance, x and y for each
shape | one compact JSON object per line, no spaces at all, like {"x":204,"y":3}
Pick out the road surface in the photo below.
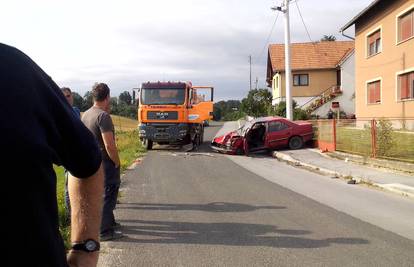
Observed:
{"x":204,"y":209}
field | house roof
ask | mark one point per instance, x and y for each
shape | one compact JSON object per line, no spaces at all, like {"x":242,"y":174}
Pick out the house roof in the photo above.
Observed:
{"x":308,"y":56}
{"x":360,"y":14}
{"x":346,"y":56}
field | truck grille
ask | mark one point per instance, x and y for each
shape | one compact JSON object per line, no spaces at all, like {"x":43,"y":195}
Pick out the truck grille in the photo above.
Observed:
{"x":162,"y":115}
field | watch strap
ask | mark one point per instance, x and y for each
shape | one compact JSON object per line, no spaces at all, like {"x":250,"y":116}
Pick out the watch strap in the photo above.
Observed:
{"x":83,"y":246}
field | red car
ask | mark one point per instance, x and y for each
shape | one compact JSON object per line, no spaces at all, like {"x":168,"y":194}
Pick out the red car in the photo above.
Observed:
{"x":267,"y":133}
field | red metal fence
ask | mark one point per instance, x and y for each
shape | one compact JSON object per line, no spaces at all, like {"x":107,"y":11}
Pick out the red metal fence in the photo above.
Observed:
{"x":379,"y":138}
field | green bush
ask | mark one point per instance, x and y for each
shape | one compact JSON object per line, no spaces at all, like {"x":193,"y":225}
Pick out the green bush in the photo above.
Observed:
{"x":385,"y":140}
{"x":280,"y":110}
{"x":234,"y":116}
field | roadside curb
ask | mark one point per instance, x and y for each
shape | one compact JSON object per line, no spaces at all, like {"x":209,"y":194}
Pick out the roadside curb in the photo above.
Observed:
{"x":395,"y":166}
{"x":404,"y":190}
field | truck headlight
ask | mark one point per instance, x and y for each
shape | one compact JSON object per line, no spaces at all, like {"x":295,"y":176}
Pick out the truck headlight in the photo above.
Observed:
{"x":193,"y":117}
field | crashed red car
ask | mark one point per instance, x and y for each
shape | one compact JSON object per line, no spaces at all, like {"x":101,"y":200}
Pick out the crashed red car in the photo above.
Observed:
{"x":267,"y":133}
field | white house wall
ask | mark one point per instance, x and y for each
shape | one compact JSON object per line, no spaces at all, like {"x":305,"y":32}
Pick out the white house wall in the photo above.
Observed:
{"x":347,"y":99}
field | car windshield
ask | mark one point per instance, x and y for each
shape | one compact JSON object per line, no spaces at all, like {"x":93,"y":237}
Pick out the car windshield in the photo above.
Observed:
{"x":242,"y":130}
{"x":164,"y":96}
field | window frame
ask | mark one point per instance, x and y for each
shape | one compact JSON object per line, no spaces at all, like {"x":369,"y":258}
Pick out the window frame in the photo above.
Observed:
{"x":280,"y":122}
{"x":379,"y":79}
{"x":397,"y":25}
{"x":301,"y":74}
{"x":397,"y":86}
{"x":367,"y":44}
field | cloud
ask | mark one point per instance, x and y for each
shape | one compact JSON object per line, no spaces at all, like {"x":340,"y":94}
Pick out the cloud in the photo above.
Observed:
{"x":128,"y":42}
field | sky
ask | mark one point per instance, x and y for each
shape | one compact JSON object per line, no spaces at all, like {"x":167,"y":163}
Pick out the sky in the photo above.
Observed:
{"x":126,"y":42}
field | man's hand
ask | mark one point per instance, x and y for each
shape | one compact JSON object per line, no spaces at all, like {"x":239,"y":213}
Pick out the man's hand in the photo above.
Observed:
{"x":110,"y":146}
{"x":82,"y":259}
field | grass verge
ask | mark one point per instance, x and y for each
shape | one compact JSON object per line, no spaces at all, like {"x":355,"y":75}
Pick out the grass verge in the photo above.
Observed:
{"x":129,"y":148}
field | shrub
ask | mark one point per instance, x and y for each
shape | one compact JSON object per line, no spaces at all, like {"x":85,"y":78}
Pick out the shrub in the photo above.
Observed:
{"x":385,"y":139}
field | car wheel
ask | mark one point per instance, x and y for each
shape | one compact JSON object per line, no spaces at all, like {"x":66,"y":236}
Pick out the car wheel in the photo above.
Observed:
{"x":295,"y":142}
{"x":239,"y":151}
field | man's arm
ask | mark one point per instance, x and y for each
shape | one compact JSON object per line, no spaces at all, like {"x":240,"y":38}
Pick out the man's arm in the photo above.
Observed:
{"x":86,"y":205}
{"x":110,"y":146}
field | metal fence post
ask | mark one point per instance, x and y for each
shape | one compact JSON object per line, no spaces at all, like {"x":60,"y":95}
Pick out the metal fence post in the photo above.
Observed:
{"x":373,"y":138}
{"x":334,"y":133}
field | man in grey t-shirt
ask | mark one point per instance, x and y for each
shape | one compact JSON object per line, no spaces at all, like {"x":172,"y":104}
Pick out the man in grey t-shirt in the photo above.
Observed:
{"x":99,"y":122}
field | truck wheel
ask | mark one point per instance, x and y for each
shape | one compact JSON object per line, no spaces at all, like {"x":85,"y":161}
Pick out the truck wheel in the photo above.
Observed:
{"x":202,"y":137}
{"x":147,"y":144}
{"x":196,"y":141}
{"x":295,"y":142}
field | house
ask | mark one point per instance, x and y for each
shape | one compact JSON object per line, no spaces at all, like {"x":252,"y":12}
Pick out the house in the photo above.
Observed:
{"x":345,"y":100}
{"x":315,"y":71}
{"x":384,"y":60}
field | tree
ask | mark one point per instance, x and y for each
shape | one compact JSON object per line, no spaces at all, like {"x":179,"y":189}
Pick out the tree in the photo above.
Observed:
{"x":87,"y":101}
{"x":280,"y":110}
{"x":257,"y":103}
{"x":328,"y":38}
{"x":77,"y":100}
{"x":125,"y":97}
{"x":217,"y":110}
{"x":113,"y":101}
{"x":222,"y":109}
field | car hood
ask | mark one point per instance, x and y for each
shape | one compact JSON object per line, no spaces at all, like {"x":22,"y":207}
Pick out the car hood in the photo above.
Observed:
{"x":224,"y":138}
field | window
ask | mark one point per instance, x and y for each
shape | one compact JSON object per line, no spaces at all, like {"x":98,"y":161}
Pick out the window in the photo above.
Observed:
{"x":374,"y":43}
{"x":374,"y":92}
{"x":300,"y":80}
{"x":275,"y":126}
{"x":406,"y":26}
{"x":406,"y":86}
{"x":163,"y":96}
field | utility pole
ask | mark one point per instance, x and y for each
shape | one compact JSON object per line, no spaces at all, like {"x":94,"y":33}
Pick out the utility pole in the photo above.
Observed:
{"x":250,"y":62}
{"x":285,"y":9}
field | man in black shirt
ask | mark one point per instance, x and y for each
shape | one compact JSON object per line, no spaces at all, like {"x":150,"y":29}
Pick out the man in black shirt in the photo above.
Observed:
{"x":38,"y":129}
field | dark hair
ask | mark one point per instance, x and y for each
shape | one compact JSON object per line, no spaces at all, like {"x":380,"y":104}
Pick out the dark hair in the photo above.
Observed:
{"x":66,"y":89}
{"x":100,"y":91}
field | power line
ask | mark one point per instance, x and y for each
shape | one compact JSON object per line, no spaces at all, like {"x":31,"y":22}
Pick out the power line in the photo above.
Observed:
{"x":269,"y":36}
{"x":303,"y":21}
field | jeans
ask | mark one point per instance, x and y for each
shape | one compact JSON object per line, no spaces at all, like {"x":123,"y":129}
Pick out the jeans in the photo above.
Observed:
{"x":112,"y":182}
{"x":108,"y":218}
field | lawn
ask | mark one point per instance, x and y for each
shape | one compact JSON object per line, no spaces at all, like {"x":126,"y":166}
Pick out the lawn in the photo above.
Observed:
{"x":358,"y":141}
{"x":129,"y":148}
{"x":124,"y":124}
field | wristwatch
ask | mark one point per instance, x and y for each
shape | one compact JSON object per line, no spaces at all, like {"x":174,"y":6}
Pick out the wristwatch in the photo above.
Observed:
{"x":88,"y":245}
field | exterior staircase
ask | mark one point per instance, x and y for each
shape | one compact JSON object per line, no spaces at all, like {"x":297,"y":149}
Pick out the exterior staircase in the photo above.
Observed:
{"x":326,"y":96}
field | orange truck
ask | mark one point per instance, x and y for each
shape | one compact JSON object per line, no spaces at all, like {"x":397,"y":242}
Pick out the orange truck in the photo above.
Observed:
{"x":174,"y":113}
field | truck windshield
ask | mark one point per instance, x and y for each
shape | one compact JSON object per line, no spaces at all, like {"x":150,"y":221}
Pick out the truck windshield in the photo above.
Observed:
{"x":164,"y":96}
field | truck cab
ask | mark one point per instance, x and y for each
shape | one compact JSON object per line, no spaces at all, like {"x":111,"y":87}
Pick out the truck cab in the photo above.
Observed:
{"x":173,"y":112}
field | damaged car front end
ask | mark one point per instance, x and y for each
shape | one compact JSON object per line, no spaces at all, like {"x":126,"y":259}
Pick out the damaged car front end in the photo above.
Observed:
{"x":230,"y":143}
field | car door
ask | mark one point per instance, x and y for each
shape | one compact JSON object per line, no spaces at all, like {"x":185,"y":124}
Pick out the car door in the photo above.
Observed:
{"x":278,"y":134}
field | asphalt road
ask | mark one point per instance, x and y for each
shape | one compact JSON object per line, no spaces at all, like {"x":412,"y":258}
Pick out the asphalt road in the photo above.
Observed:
{"x":203,"y":209}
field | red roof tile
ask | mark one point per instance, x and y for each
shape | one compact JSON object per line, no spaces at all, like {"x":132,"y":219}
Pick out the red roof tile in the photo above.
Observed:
{"x":307,"y":56}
